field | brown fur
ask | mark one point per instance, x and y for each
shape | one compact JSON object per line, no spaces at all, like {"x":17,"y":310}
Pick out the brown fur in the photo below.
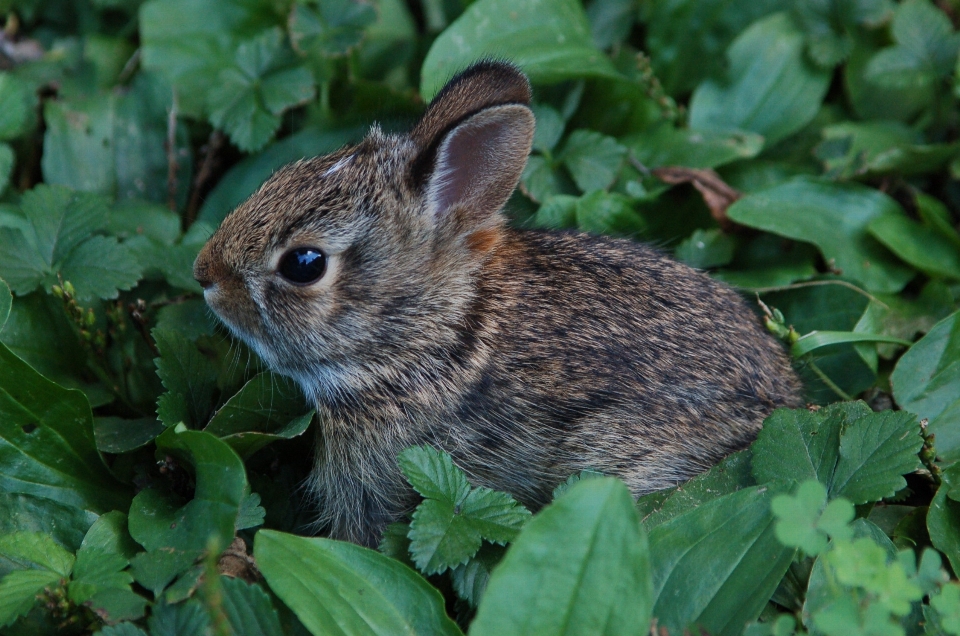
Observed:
{"x":527,"y":355}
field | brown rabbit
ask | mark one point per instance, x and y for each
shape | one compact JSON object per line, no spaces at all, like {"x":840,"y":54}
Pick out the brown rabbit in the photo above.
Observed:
{"x":384,"y":280}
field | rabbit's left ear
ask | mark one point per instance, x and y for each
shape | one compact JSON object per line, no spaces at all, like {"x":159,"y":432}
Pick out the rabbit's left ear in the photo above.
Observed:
{"x":474,"y":140}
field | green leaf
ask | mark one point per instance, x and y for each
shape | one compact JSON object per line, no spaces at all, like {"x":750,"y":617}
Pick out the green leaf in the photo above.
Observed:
{"x":925,"y":51}
{"x":796,"y":444}
{"x":38,"y":551}
{"x":718,"y":564}
{"x":47,"y":446}
{"x":15,"y":106}
{"x":250,"y":96}
{"x":943,"y":519}
{"x":337,"y":587}
{"x":109,"y":533}
{"x":705,"y":249}
{"x":550,"y":125}
{"x":6,"y":302}
{"x":268,"y":407}
{"x":117,"y":435}
{"x":549,"y":40}
{"x":865,"y":149}
{"x":875,"y":452}
{"x":181,"y":619}
{"x":18,"y":592}
{"x":594,"y":160}
{"x":730,"y":475}
{"x":772,"y":89}
{"x":100,"y":267}
{"x":97,"y":570}
{"x":600,"y":212}
{"x":155,"y":570}
{"x":248,"y":609}
{"x":189,"y":377}
{"x":926,"y":381}
{"x":947,"y":605}
{"x":122,"y":629}
{"x":834,"y":217}
{"x":158,"y":521}
{"x":557,"y":212}
{"x":581,"y":566}
{"x":471,"y":578}
{"x":816,"y":339}
{"x":325,"y":29}
{"x":7,"y":161}
{"x":449,"y":524}
{"x":251,"y":514}
{"x":922,"y":247}
{"x":799,"y":517}
{"x":663,"y":146}
{"x":64,"y":524}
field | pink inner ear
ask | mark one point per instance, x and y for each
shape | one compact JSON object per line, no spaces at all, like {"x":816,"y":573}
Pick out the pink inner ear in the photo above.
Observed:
{"x":463,"y":158}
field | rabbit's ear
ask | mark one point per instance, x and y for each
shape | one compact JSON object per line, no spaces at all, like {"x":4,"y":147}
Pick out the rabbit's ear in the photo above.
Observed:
{"x":474,"y":140}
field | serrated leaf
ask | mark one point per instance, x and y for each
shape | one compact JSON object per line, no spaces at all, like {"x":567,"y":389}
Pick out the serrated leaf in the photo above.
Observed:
{"x":251,"y":95}
{"x":433,"y":474}
{"x":593,"y":159}
{"x":581,"y":566}
{"x":18,"y":591}
{"x":189,"y":377}
{"x":329,"y":28}
{"x":795,"y":444}
{"x":834,"y":217}
{"x":156,"y":569}
{"x":64,"y":524}
{"x":926,"y":48}
{"x":181,"y":619}
{"x":875,"y":452}
{"x":122,"y":629}
{"x":772,"y":89}
{"x":804,"y":520}
{"x":338,"y":587}
{"x":600,"y":212}
{"x":100,"y":267}
{"x":471,"y":578}
{"x":36,"y":550}
{"x":251,"y":513}
{"x":97,"y":570}
{"x":249,"y":609}
{"x":557,"y":212}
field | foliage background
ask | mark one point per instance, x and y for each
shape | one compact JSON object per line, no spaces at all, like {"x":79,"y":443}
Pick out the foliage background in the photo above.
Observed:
{"x":804,"y":151}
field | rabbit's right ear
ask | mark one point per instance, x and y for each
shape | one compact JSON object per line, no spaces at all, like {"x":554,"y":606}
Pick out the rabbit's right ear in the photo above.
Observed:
{"x":474,"y":140}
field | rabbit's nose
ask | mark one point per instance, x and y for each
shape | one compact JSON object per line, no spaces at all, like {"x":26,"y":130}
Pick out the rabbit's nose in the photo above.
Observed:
{"x":208,"y":269}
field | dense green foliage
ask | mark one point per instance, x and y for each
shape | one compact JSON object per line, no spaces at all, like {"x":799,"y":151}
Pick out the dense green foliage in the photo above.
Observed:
{"x":805,"y":151}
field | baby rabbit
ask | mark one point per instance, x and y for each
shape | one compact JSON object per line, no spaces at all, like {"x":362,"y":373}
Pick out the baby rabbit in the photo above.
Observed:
{"x":385,"y":281}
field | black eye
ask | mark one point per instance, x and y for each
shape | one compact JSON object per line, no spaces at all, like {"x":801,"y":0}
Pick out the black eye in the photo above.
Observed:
{"x":303,"y":265}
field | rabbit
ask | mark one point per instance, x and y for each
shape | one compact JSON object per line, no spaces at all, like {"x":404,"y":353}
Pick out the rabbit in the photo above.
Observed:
{"x":385,"y":281}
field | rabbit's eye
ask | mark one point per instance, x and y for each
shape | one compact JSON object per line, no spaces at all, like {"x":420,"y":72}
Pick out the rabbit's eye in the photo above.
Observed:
{"x":303,"y":265}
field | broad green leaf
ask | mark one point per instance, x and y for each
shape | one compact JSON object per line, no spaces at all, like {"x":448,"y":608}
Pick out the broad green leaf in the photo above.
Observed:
{"x":6,"y":302}
{"x":863,"y":149}
{"x":550,"y":125}
{"x":875,"y":452}
{"x":340,"y":588}
{"x":920,"y":246}
{"x":109,"y":534}
{"x":249,"y":609}
{"x":268,"y":407}
{"x":730,"y":475}
{"x":769,"y":261}
{"x":925,"y":51}
{"x":47,"y":446}
{"x":122,"y":629}
{"x":718,"y":564}
{"x":830,"y":24}
{"x":7,"y":160}
{"x":117,"y":435}
{"x":189,"y":377}
{"x":64,"y":524}
{"x":926,"y":381}
{"x":581,"y":566}
{"x":947,"y":606}
{"x":834,"y":217}
{"x":36,"y":550}
{"x":329,"y":28}
{"x":796,"y":444}
{"x":557,"y":212}
{"x":687,"y":38}
{"x":772,"y":89}
{"x":156,"y":569}
{"x":600,"y":212}
{"x":158,"y":521}
{"x":542,"y":180}
{"x":252,"y":93}
{"x":872,"y":101}
{"x":548,"y":39}
{"x":936,"y":215}
{"x":15,"y":106}
{"x":593,"y":159}
{"x":705,"y":249}
{"x":943,"y":519}
{"x":100,"y":267}
{"x":668,"y":146}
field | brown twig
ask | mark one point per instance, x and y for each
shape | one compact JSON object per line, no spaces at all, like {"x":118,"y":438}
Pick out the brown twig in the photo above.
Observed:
{"x":171,"y":147}
{"x":213,"y":145}
{"x":137,"y":317}
{"x":715,"y":192}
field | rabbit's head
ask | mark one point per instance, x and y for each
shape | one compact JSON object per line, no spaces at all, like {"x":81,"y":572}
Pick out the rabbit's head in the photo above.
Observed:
{"x":358,"y":268}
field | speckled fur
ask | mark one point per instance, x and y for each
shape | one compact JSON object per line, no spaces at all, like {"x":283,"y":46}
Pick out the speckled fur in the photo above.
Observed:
{"x":527,"y":355}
